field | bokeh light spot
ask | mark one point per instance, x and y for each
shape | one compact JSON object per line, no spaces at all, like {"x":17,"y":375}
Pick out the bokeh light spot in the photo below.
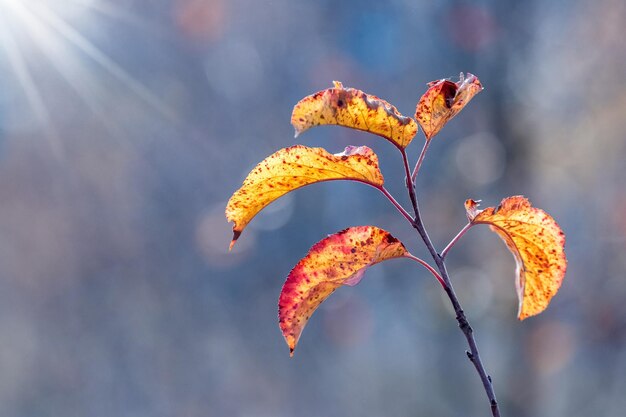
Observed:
{"x":200,"y":19}
{"x":480,"y":158}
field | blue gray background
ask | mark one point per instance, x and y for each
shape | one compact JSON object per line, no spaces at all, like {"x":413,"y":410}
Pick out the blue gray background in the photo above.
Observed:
{"x":126,"y":125}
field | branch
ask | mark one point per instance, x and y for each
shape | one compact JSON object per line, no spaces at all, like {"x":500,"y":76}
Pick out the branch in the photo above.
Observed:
{"x":473,"y":354}
{"x":409,"y":182}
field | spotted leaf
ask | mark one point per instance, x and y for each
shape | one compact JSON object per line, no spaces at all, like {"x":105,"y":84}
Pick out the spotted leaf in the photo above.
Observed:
{"x":355,"y":109}
{"x":443,"y":100}
{"x":292,"y":168}
{"x":537,"y":243}
{"x":339,"y":259}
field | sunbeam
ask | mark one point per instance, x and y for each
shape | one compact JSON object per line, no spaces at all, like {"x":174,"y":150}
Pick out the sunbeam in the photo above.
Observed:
{"x":45,"y":22}
{"x":67,"y":64}
{"x":78,"y":40}
{"x":112,"y":11}
{"x":26,"y":82}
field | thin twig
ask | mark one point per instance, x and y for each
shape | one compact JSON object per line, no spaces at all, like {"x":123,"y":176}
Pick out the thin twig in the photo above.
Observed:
{"x":409,"y":182}
{"x":430,"y":269}
{"x":473,"y":354}
{"x":420,"y":160}
{"x":455,"y":239}
{"x":395,"y":203}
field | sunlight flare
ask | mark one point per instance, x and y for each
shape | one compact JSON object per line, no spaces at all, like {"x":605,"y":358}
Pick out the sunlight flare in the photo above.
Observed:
{"x":47,"y":26}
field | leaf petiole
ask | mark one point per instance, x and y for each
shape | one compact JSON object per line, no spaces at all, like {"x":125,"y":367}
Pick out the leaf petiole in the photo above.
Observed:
{"x":455,"y":239}
{"x":397,"y":205}
{"x":430,"y":268}
{"x":420,"y":160}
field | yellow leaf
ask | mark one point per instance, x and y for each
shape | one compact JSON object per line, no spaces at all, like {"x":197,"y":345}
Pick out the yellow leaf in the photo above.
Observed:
{"x":292,"y":168}
{"x":537,"y":243}
{"x":339,"y":259}
{"x":444,"y":100}
{"x":355,"y":109}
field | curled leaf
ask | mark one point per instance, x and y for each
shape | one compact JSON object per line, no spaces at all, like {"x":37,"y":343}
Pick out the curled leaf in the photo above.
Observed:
{"x":355,"y":109}
{"x":537,"y":243}
{"x":294,"y":167}
{"x":443,"y":100}
{"x":339,"y":259}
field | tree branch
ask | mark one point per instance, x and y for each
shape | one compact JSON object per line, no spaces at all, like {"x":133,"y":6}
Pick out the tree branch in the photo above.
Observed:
{"x":409,"y":181}
{"x":473,"y":354}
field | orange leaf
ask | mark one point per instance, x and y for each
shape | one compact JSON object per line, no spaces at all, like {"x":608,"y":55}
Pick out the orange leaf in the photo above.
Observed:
{"x":443,"y":100}
{"x":537,"y":243}
{"x":292,"y":168}
{"x":340,"y":259}
{"x":355,"y":109}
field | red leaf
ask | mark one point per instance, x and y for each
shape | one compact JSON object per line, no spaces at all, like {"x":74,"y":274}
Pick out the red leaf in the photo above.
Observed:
{"x":444,"y":100}
{"x":339,"y":259}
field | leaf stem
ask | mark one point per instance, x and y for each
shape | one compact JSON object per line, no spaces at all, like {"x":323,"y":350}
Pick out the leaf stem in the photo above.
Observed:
{"x":430,"y":268}
{"x":455,"y":239}
{"x":395,"y":203}
{"x":420,"y":160}
{"x":473,"y":354}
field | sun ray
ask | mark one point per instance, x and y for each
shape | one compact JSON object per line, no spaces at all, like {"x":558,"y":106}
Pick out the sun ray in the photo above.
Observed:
{"x":65,"y":63}
{"x":109,"y":9}
{"x":74,"y":37}
{"x":27,"y":83}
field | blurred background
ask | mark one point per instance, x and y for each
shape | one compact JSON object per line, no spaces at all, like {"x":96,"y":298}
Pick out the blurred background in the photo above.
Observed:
{"x":126,"y":125}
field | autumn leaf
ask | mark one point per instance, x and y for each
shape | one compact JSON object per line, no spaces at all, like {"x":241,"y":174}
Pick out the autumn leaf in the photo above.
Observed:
{"x":443,"y":100}
{"x":292,"y":168}
{"x":537,"y":243}
{"x":339,"y":259}
{"x":355,"y":109}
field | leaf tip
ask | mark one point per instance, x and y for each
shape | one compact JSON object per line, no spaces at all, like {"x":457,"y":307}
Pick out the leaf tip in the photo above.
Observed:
{"x":355,"y":150}
{"x":236,"y":234}
{"x":522,"y":315}
{"x":470,"y":78}
{"x":338,"y":85}
{"x":291,"y":352}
